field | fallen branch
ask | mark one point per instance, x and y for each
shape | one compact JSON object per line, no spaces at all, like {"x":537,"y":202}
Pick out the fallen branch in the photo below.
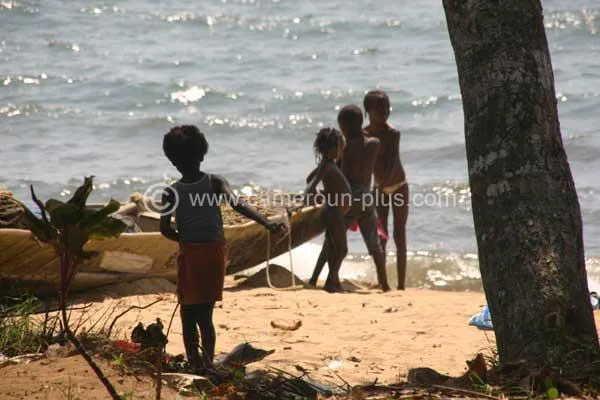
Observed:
{"x":465,"y":391}
{"x":129,"y":309}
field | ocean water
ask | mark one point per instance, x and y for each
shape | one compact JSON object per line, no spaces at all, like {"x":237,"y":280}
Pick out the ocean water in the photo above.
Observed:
{"x":90,"y":87}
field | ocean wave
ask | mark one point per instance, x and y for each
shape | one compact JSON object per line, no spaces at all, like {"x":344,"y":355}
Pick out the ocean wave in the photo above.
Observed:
{"x":258,"y":122}
{"x":100,"y":10}
{"x":292,"y":25}
{"x":433,"y":101}
{"x":64,"y":45}
{"x":430,"y":270}
{"x":30,"y":109}
{"x":454,"y":194}
{"x":8,"y":80}
{"x":572,"y":19}
{"x":17,"y":7}
{"x":189,"y":95}
{"x":18,"y":110}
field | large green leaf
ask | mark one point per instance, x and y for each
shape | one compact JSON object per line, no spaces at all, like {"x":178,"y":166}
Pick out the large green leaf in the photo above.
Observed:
{"x":64,"y":215}
{"x":74,"y":238}
{"x":83,"y":192}
{"x":42,"y":230}
{"x":53,"y":204}
{"x":93,"y":218}
{"x":109,"y":227}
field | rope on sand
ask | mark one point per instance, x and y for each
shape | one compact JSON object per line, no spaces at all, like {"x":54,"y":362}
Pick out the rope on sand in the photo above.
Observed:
{"x":289,"y":234}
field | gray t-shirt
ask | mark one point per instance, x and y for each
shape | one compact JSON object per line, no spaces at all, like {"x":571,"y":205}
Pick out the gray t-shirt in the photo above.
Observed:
{"x":198,"y":213}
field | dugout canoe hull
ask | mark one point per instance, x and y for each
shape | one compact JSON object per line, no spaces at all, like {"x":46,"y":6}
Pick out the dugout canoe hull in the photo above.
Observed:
{"x":28,"y":266}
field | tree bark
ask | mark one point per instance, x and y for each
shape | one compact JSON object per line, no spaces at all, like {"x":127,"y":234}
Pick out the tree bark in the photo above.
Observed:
{"x":525,"y":207}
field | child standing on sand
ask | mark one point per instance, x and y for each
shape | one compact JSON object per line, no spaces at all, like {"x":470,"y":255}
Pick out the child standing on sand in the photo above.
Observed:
{"x":329,"y":147}
{"x":358,"y":162}
{"x":390,"y":178}
{"x":203,"y":254}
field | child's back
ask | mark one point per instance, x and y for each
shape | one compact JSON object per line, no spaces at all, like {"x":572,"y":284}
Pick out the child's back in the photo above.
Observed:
{"x":202,"y":260}
{"x":198,"y":213}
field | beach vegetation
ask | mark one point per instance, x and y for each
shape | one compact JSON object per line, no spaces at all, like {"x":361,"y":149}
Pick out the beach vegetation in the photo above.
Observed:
{"x":20,"y":332}
{"x":67,"y":227}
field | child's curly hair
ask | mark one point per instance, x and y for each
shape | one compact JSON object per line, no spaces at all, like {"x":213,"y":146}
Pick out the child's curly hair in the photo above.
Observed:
{"x":327,"y":139}
{"x":184,"y":145}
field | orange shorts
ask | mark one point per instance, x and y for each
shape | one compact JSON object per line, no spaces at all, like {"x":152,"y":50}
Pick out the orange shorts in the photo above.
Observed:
{"x":201,"y":272}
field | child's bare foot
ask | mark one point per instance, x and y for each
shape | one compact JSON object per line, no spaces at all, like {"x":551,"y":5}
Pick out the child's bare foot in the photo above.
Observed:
{"x":385,"y":288}
{"x":332,"y":288}
{"x":401,"y":287}
{"x":312,"y":282}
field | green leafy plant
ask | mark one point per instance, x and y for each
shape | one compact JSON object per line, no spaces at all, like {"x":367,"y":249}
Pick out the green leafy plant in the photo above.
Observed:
{"x":119,"y":361}
{"x":67,"y":227}
{"x":551,"y":390}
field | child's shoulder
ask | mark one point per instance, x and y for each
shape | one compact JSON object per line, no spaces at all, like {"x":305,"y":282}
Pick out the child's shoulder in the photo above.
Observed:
{"x":170,"y":185}
{"x":218,"y":182}
{"x":393,"y":130}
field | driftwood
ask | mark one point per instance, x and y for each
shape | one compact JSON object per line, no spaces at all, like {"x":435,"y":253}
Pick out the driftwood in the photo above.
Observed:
{"x":286,"y":326}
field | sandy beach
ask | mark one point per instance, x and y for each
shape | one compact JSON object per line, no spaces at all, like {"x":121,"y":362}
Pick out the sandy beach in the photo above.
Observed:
{"x":361,"y":336}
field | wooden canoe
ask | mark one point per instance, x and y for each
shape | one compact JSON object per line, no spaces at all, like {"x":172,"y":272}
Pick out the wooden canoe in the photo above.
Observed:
{"x":28,"y":266}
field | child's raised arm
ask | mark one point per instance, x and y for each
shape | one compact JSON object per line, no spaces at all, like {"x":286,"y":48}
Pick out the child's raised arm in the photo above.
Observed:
{"x":221,"y":186}
{"x":311,"y":175}
{"x":317,"y":176}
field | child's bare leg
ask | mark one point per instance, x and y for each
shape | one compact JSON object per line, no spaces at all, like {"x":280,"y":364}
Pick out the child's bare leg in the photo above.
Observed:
{"x":379,"y":259}
{"x":189,"y":319}
{"x":368,"y":230}
{"x":382,"y":209}
{"x":337,"y":248}
{"x":207,"y":331}
{"x":333,"y":284}
{"x":400,"y":217}
{"x":319,"y":265}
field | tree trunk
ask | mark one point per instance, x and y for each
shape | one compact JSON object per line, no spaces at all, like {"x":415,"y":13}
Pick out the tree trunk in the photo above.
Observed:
{"x":525,"y":208}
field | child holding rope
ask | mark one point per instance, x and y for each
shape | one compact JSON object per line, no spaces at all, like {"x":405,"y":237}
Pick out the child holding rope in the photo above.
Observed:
{"x":203,"y":255}
{"x":329,"y":147}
